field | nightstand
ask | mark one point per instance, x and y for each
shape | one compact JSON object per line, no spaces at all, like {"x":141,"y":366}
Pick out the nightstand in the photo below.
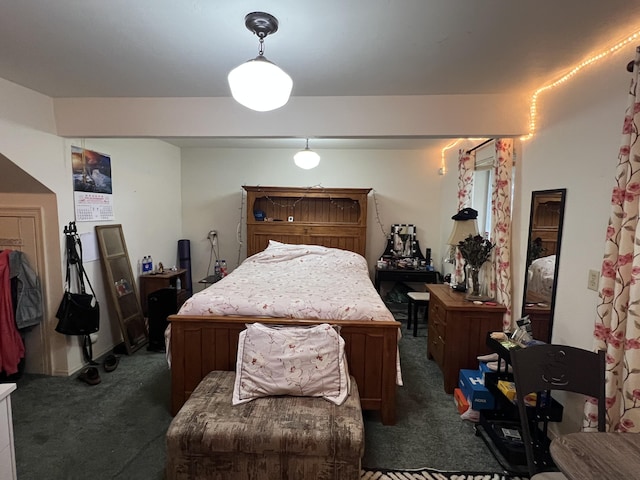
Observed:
{"x":150,"y":282}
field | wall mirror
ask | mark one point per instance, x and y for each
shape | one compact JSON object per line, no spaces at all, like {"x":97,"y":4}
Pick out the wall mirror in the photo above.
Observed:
{"x":120,"y":281}
{"x":403,"y":238}
{"x":543,"y":259}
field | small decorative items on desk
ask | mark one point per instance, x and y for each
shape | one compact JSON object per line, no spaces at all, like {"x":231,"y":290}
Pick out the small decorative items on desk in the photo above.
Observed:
{"x":476,"y":250}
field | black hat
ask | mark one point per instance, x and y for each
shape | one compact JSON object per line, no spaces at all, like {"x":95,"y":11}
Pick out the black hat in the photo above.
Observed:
{"x":466,"y":214}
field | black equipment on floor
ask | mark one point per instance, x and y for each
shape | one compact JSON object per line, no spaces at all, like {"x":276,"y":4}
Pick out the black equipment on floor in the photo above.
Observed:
{"x":162,"y":303}
{"x":184,"y":257}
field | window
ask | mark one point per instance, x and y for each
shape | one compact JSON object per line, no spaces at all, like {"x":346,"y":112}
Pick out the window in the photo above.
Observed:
{"x":482,"y":181}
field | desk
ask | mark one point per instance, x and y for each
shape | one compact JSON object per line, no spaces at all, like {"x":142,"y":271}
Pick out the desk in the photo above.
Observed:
{"x":585,"y":456}
{"x":405,"y":275}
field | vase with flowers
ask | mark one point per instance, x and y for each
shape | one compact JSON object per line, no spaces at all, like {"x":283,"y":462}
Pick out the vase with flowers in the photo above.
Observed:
{"x":475,"y":250}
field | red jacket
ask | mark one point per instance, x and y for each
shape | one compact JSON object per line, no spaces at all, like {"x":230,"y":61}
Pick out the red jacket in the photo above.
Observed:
{"x":11,"y":346}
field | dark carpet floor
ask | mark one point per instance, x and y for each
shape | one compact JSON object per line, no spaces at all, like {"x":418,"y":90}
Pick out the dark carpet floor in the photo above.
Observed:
{"x":66,"y":429}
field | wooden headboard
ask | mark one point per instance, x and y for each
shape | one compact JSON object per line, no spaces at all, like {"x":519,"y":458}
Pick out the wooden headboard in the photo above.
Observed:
{"x":331,"y":217}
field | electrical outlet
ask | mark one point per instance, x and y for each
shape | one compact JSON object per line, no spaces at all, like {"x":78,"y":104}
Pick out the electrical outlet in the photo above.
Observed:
{"x":213,"y":237}
{"x":594,"y":278}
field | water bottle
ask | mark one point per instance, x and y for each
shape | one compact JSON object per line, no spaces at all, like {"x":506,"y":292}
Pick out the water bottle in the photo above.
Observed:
{"x":223,"y":268}
{"x":150,"y":263}
{"x":216,"y":269}
{"x":178,"y":284}
{"x":145,"y":264}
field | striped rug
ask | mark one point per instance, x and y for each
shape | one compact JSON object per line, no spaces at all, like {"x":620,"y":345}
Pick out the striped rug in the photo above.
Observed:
{"x":431,"y":474}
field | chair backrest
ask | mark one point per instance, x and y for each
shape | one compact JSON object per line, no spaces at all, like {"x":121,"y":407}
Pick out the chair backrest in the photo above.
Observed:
{"x":545,"y":368}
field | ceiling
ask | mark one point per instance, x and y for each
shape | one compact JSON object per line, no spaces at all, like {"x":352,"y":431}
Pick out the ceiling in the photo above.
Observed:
{"x":185,"y":48}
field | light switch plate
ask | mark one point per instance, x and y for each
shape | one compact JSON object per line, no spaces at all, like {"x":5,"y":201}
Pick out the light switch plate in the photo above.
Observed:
{"x":594,"y":277}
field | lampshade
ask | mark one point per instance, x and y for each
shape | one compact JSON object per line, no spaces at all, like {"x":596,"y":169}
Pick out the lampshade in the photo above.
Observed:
{"x":461,"y":230}
{"x":306,"y":158}
{"x":260,"y":85}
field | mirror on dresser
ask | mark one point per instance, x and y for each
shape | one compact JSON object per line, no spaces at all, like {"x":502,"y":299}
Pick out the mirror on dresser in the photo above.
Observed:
{"x":543,"y":258}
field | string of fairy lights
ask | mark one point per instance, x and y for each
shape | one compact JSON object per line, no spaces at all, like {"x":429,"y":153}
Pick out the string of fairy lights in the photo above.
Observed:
{"x":342,"y":205}
{"x":533,"y":106}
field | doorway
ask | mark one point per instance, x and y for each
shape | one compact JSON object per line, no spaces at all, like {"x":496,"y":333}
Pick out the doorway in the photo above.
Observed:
{"x":21,"y":228}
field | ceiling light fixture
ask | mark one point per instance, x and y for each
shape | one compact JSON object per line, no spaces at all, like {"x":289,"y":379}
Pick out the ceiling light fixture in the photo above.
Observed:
{"x":260,"y":84}
{"x":306,"y":158}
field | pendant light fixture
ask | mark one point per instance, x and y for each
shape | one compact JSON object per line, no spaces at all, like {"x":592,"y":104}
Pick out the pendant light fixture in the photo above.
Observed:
{"x":306,"y":158}
{"x":260,"y":84}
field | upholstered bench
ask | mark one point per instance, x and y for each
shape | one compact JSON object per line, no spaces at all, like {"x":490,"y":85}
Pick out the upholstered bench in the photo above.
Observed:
{"x":280,"y":437}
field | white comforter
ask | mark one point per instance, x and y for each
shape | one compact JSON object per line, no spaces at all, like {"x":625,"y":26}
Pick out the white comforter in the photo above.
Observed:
{"x":541,"y":274}
{"x":294,"y":281}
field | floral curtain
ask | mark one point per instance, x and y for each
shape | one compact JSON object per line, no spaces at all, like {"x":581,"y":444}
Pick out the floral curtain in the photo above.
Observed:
{"x":466,"y":167}
{"x":617,"y":326}
{"x":501,"y":227}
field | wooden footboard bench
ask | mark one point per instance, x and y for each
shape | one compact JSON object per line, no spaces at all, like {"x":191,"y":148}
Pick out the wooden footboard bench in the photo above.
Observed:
{"x":201,"y":344}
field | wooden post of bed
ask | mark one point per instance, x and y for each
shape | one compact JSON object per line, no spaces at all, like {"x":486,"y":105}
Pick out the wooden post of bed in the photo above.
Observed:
{"x":201,"y":344}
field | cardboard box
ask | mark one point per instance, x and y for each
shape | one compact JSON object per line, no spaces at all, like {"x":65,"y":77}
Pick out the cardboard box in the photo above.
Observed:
{"x":472,"y":386}
{"x":461,"y":401}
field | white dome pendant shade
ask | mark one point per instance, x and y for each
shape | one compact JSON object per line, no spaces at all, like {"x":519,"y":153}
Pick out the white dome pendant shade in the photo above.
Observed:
{"x":306,"y":158}
{"x":260,"y":84}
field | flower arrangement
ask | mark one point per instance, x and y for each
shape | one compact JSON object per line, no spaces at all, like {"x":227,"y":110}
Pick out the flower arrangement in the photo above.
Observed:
{"x":476,"y":251}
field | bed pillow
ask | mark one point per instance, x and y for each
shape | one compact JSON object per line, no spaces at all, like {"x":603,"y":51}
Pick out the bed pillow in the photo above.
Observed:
{"x":298,"y":361}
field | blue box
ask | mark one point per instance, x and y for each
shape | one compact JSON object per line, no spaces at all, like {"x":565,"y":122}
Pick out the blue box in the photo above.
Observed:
{"x":472,"y":385}
{"x":482,"y":366}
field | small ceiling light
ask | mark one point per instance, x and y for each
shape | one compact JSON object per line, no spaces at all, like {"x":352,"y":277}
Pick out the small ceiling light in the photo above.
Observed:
{"x":260,"y":84}
{"x":306,"y":158}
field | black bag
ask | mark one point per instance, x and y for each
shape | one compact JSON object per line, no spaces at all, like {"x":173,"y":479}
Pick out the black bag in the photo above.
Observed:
{"x":78,"y":314}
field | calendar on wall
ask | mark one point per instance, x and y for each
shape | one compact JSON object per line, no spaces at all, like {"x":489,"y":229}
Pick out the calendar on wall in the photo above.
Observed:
{"x":92,"y":185}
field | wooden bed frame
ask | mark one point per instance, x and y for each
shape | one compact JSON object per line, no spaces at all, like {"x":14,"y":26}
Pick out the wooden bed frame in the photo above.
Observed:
{"x":201,"y":344}
{"x":331,"y":217}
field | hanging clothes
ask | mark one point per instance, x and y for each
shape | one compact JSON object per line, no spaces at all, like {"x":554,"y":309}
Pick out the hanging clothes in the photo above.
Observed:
{"x":11,"y":345}
{"x":28,"y":308}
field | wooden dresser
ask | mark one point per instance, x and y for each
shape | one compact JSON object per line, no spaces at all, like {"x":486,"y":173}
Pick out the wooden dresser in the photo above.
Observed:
{"x":332,"y":217}
{"x":458,"y":331}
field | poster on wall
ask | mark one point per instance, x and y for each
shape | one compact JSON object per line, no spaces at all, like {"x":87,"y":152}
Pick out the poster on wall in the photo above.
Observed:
{"x":92,"y":193}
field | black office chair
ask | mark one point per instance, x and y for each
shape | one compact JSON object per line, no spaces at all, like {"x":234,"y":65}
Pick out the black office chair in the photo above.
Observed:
{"x":541,"y":369}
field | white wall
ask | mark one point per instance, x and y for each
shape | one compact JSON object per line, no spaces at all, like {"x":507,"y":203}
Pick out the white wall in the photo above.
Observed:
{"x":146,"y":184}
{"x":576,"y":148}
{"x":406,"y":187}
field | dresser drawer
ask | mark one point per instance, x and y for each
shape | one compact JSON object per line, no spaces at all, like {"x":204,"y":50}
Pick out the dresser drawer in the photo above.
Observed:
{"x":435,"y":345}
{"x":437,"y":312}
{"x":438,"y":318}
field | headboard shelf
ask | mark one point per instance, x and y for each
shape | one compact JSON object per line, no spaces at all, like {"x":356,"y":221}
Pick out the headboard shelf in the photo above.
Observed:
{"x":332,"y":217}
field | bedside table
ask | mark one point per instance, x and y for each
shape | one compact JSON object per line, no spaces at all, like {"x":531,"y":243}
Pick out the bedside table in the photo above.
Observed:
{"x":150,"y":282}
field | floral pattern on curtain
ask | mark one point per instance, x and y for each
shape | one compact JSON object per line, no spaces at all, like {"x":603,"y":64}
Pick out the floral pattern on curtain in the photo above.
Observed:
{"x":466,"y":167}
{"x":617,"y":326}
{"x":501,"y":283}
